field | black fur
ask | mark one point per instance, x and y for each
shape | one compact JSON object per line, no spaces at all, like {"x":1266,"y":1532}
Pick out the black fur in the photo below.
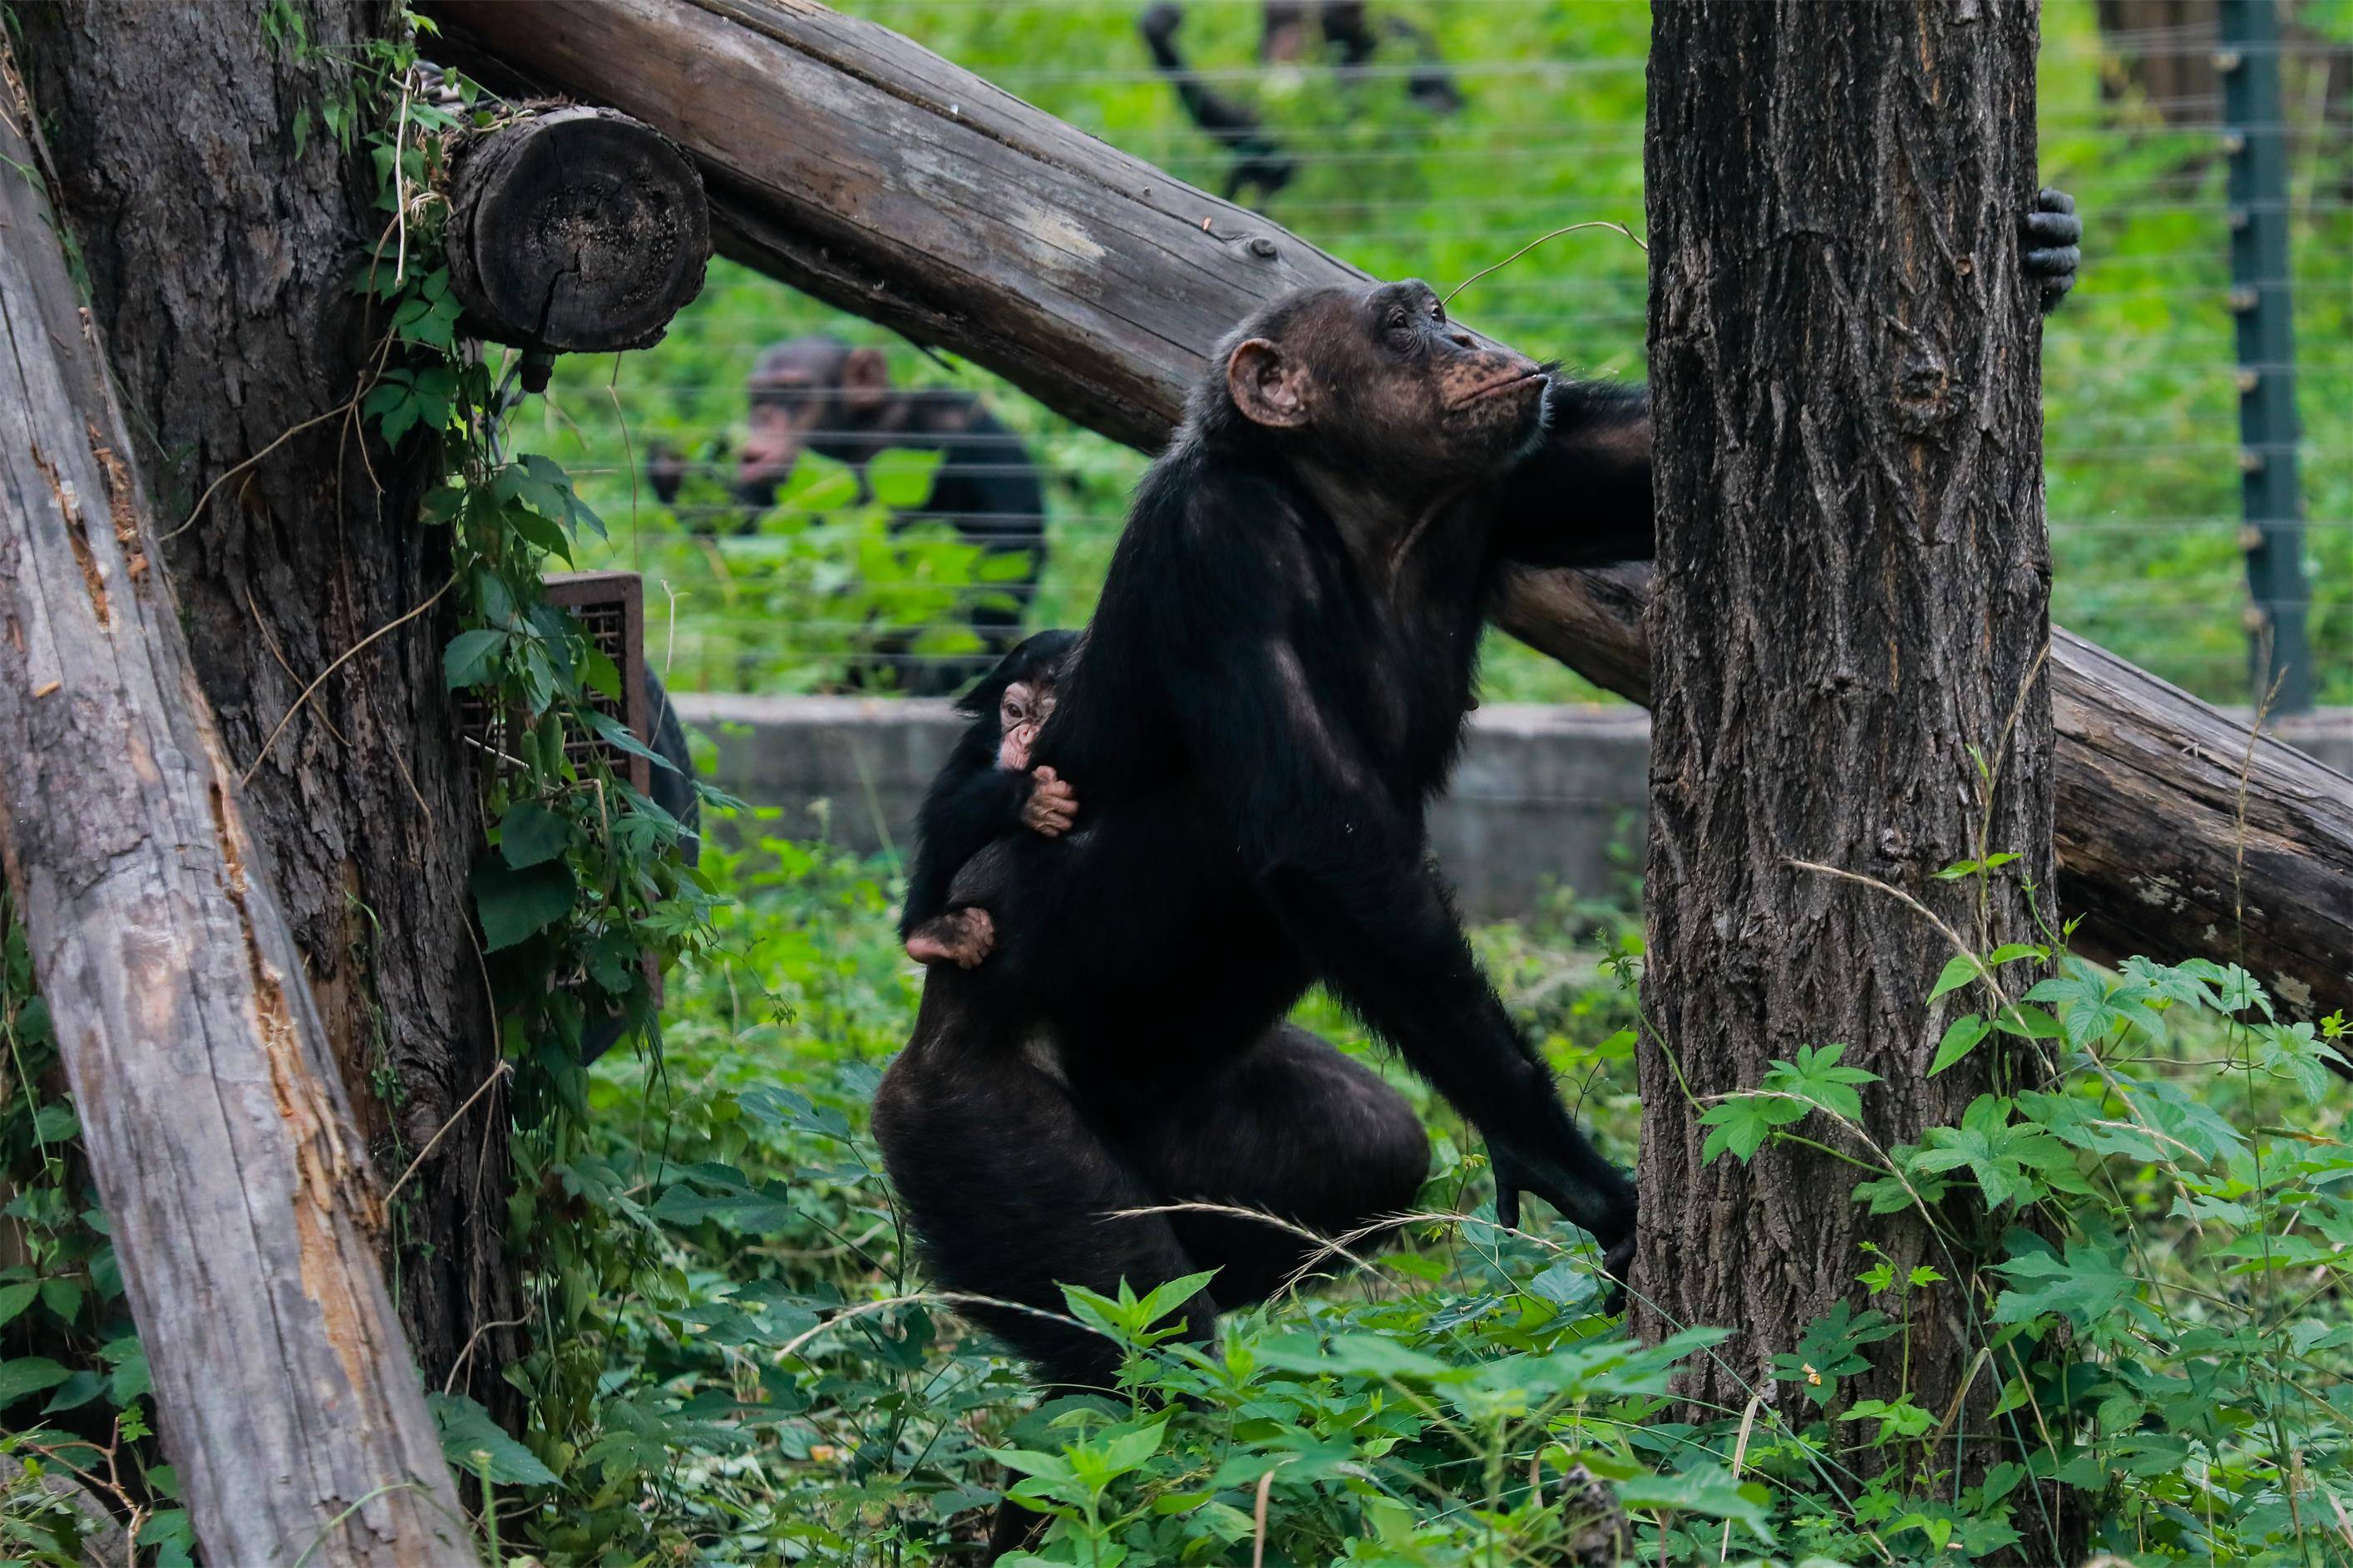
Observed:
{"x":1254,"y":723}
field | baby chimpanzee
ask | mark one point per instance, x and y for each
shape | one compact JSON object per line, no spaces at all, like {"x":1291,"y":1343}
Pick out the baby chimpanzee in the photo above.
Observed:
{"x":986,"y":790}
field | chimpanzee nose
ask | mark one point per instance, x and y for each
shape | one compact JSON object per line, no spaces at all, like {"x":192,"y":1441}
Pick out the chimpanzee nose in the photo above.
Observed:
{"x":1461,"y":339}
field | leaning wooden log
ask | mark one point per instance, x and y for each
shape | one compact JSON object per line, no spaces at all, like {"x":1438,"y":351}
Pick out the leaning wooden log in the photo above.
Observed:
{"x":852,"y":163}
{"x":235,"y":1181}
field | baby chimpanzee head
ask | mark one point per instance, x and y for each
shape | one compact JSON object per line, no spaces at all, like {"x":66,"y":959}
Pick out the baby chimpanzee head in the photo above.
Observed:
{"x":1374,"y":380}
{"x":1020,"y":690}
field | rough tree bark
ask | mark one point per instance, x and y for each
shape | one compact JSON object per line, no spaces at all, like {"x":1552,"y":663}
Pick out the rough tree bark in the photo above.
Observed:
{"x":846,"y":160}
{"x":220,"y":250}
{"x":242,"y":1205}
{"x":1852,"y":598}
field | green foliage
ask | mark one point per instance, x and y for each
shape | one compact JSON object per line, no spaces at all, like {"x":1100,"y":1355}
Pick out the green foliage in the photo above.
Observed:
{"x":2167,"y":1249}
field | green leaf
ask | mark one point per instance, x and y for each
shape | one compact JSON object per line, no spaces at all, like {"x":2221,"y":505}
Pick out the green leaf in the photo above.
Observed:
{"x":614,"y":733}
{"x":467,"y":661}
{"x":62,"y":1297}
{"x":15,"y":1298}
{"x":129,"y":1359}
{"x":2088,"y":1285}
{"x":1818,"y":1079}
{"x":1032,"y":1462}
{"x":474,"y":1445}
{"x":1705,"y":1489}
{"x":530,"y":833}
{"x":1163,"y":1300}
{"x":901,"y":479}
{"x":1743,"y":1122}
{"x":2027,"y":1022}
{"x":1961,"y":1038}
{"x":818,"y":484}
{"x":29,"y":1374}
{"x":1126,"y":1451}
{"x":1831,"y":1349}
{"x":1959,"y":971}
{"x":75,"y":1392}
{"x":516,"y":904}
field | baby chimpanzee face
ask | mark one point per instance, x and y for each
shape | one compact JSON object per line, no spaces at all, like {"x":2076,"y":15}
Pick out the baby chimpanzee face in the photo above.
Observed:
{"x":1378,"y":379}
{"x":1021,"y":713}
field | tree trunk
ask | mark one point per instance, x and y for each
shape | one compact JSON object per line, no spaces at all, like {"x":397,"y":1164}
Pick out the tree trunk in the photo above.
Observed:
{"x":2164,"y":48}
{"x":220,"y":246}
{"x":845,"y":160}
{"x":244,"y":1208}
{"x":1852,"y":604}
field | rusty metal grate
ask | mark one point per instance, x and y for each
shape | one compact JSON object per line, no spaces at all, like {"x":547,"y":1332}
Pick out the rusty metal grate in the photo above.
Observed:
{"x":611,"y":608}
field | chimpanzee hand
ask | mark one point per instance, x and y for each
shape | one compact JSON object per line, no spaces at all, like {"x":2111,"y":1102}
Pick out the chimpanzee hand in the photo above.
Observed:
{"x":2050,"y":231}
{"x":1519,"y":1170}
{"x":1053,"y":805}
{"x":666,"y":471}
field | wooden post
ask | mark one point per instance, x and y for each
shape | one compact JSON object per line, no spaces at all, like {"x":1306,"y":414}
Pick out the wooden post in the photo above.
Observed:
{"x":238,"y":1187}
{"x":575,"y":231}
{"x":850,"y":162}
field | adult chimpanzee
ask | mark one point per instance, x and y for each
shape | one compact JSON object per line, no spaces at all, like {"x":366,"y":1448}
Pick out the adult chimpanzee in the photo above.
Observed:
{"x":1271,"y":691}
{"x":1288,"y":31}
{"x":986,"y":790}
{"x":1272,"y":688}
{"x":818,"y":394}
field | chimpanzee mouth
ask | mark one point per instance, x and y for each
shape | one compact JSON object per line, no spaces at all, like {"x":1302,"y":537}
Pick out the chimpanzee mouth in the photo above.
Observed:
{"x":1506,"y":383}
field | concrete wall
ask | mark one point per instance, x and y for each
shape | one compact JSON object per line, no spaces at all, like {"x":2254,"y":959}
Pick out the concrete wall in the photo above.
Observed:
{"x":1545,"y":796}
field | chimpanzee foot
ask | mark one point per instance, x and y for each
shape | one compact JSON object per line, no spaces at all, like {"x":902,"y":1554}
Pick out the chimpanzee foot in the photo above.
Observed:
{"x":960,"y":937}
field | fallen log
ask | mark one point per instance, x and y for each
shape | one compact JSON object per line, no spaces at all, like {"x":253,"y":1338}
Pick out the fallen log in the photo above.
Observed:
{"x":235,"y":1181}
{"x":854,"y":165}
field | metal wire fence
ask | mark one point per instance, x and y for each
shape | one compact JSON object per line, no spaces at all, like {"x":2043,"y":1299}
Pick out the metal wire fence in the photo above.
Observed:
{"x":864,"y":572}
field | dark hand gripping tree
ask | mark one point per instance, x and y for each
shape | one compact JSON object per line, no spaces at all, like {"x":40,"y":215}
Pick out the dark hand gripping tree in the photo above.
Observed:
{"x":1852,"y":610}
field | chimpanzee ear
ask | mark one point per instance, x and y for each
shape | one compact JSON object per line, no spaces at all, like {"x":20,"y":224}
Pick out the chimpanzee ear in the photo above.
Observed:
{"x":865,"y":379}
{"x":1268,"y":385}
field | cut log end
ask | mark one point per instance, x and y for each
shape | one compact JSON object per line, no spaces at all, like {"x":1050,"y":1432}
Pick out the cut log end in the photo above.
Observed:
{"x":576,"y":231}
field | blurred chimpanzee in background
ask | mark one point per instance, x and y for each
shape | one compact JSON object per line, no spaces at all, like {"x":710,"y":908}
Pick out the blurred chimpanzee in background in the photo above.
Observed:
{"x":1290,"y":29}
{"x":817,"y":394}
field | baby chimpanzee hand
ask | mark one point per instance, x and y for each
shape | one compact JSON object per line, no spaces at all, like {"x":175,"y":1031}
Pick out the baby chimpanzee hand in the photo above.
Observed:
{"x":1053,"y":805}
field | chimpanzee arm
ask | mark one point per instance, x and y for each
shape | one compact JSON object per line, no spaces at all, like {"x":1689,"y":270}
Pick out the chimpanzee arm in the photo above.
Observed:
{"x":971,"y":803}
{"x":1583,"y":497}
{"x":1340,"y":861}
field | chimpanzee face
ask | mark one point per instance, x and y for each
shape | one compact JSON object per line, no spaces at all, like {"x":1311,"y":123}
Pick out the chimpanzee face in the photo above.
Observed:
{"x":801,"y":391}
{"x":1378,"y":380}
{"x":1021,"y":712}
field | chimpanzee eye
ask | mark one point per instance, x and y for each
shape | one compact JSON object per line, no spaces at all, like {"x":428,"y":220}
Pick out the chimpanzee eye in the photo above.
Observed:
{"x":1437,"y":309}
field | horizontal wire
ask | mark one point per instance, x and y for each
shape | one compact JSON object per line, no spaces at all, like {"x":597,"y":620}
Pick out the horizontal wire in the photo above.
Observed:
{"x":1009,"y":76}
